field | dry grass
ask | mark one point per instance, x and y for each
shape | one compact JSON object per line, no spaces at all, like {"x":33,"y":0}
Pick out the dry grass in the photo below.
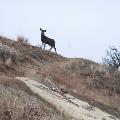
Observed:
{"x":87,"y":79}
{"x":19,"y":103}
{"x":79,"y":76}
{"x":22,"y":39}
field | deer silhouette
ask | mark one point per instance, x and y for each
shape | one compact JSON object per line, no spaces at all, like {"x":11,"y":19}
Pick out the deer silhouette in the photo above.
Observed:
{"x":45,"y":40}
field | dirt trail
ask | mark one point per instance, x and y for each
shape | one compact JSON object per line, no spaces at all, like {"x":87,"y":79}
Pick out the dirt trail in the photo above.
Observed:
{"x":76,"y":109}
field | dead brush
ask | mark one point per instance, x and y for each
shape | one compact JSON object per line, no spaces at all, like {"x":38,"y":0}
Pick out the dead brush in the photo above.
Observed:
{"x":18,"y":105}
{"x":20,"y":39}
{"x":88,"y":79}
{"x":23,"y":41}
{"x":12,"y":111}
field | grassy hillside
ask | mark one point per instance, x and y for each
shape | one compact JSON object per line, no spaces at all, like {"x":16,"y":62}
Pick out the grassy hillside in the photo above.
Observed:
{"x":17,"y":100}
{"x":87,"y":80}
{"x":80,"y":77}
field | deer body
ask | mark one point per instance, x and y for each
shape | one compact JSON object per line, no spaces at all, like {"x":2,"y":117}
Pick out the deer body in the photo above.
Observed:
{"x":45,"y":40}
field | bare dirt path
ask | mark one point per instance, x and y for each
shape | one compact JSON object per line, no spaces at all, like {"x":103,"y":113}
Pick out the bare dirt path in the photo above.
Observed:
{"x":71,"y":106}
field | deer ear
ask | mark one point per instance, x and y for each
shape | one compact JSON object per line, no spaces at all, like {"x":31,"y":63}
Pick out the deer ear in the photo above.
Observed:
{"x":40,"y":29}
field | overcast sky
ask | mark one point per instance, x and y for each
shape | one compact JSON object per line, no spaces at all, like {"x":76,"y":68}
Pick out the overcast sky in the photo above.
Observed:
{"x":81,"y":28}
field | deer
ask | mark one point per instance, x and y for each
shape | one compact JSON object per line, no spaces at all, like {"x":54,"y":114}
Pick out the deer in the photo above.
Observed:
{"x":45,"y":40}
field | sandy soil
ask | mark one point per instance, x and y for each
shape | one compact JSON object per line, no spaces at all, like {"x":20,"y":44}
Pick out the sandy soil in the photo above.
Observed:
{"x":77,"y":109}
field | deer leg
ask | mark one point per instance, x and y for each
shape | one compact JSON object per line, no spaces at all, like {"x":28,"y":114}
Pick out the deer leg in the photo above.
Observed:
{"x":50,"y":48}
{"x":55,"y":49}
{"x":44,"y":45}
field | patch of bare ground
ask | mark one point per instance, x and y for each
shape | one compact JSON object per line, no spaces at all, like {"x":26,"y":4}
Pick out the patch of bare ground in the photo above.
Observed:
{"x":71,"y":106}
{"x":87,"y":80}
{"x":18,"y":102}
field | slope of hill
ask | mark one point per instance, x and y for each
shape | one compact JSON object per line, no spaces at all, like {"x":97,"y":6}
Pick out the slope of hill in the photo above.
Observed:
{"x":17,"y":101}
{"x":73,"y":107}
{"x":28,"y":55}
{"x":81,"y":78}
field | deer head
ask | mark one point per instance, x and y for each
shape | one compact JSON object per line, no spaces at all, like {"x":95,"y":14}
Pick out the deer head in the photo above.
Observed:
{"x":42,"y":31}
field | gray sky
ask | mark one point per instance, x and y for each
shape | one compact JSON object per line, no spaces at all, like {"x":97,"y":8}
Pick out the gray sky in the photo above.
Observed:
{"x":81,"y":28}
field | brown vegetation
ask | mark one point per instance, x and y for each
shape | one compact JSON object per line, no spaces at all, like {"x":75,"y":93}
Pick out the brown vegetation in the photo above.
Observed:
{"x":87,"y":79}
{"x":83,"y":78}
{"x":19,"y":103}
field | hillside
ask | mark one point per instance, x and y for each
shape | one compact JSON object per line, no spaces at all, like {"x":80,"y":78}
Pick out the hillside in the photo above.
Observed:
{"x":28,"y":55}
{"x":16,"y":99}
{"x":81,"y":78}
